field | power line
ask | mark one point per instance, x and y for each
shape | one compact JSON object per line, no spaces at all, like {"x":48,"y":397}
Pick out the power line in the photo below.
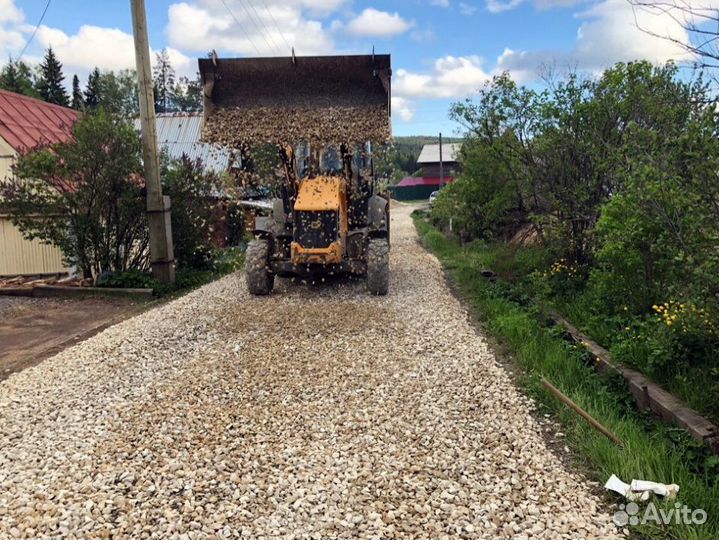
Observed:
{"x":42,"y":17}
{"x":277,"y":26}
{"x":257,"y":50}
{"x":269,"y":34}
{"x":252,"y":21}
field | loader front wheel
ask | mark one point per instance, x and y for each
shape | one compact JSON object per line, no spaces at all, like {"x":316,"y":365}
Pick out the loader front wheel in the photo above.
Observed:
{"x":260,"y":280}
{"x":378,"y":266}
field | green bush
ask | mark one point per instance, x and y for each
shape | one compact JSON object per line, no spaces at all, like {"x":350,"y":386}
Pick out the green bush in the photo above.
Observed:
{"x":619,"y":177}
{"x":85,"y":196}
{"x":194,"y":194}
{"x":129,"y":279}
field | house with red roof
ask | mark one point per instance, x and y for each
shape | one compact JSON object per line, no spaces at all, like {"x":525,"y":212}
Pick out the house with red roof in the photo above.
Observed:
{"x":420,"y":187}
{"x":26,"y":123}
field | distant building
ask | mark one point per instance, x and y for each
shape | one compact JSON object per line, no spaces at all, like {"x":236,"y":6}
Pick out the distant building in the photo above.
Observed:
{"x":420,"y":187}
{"x":26,"y":123}
{"x":428,"y":159}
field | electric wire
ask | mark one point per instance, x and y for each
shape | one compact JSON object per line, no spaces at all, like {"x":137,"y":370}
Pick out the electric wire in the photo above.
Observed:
{"x":32,"y":36}
{"x":277,"y":26}
{"x":269,"y":33}
{"x":255,"y":25}
{"x":257,"y":50}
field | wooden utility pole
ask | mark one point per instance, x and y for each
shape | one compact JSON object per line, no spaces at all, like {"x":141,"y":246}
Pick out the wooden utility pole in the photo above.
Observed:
{"x":162,"y":256}
{"x":441,"y":164}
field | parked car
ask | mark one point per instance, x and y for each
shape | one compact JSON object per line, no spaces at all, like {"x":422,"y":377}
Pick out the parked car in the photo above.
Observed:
{"x":432,"y":197}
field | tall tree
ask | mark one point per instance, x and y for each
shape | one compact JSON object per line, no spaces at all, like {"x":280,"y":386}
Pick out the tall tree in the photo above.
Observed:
{"x":77,"y":98}
{"x":50,"y":82}
{"x":187,"y":94}
{"x":698,"y":23}
{"x":92,"y":90}
{"x":16,"y":76}
{"x":163,"y":82}
{"x":118,"y":92}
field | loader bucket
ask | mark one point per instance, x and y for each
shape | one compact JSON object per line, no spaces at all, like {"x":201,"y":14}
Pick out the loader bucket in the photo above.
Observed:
{"x":286,"y":100}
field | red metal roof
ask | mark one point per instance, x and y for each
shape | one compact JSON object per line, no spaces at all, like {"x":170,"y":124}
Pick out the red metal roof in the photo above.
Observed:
{"x":423,"y":181}
{"x":27,"y":122}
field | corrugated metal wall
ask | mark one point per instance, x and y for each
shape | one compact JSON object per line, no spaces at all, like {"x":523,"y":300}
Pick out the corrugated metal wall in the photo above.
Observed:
{"x":19,"y":256}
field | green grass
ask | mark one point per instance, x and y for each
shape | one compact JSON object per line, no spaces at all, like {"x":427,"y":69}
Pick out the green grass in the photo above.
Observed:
{"x":696,"y":383}
{"x":652,"y":451}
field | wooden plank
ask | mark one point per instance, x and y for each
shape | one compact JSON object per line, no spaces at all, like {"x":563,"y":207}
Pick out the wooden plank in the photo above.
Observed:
{"x":648,"y":395}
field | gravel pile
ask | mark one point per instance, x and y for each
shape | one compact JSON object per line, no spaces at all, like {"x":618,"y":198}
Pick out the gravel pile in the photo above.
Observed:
{"x":315,"y":412}
{"x":234,"y":127}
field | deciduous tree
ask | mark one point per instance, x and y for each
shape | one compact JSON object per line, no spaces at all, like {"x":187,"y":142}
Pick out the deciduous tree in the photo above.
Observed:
{"x":16,"y":76}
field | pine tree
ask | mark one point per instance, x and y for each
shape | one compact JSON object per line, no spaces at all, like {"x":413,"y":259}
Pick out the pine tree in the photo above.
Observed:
{"x":92,"y":90}
{"x":77,"y":99}
{"x":163,"y":82}
{"x":16,"y":76}
{"x":50,"y":82}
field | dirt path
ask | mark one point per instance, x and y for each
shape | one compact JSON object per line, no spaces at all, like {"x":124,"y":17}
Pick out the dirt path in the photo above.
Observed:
{"x":33,"y":329}
{"x":315,"y":412}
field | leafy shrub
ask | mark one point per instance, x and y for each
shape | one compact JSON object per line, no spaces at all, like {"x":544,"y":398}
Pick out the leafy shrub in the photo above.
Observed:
{"x":194,"y":195}
{"x":229,"y":260}
{"x":85,"y":196}
{"x":129,"y":279}
{"x":619,"y":176}
{"x":235,"y":224}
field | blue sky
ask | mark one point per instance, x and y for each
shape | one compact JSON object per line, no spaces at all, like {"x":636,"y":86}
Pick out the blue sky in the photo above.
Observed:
{"x":442,"y":50}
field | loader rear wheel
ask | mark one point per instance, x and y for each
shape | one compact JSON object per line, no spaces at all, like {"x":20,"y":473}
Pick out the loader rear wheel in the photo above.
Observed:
{"x":260,"y":280}
{"x":378,"y":266}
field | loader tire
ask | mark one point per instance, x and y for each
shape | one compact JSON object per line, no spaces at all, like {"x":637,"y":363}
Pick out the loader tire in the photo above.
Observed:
{"x":378,"y":266}
{"x":260,"y":280}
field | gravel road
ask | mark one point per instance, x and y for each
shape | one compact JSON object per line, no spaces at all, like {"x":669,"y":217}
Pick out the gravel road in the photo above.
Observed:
{"x":315,"y":412}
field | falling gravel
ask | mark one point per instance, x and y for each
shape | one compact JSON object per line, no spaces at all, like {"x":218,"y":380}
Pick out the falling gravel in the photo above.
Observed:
{"x":319,"y":411}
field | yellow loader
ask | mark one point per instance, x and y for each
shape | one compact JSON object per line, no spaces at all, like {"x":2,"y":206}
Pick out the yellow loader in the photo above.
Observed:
{"x":324,"y":115}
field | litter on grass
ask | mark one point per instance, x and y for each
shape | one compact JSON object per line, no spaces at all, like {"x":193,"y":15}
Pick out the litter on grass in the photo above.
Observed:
{"x":641,"y":490}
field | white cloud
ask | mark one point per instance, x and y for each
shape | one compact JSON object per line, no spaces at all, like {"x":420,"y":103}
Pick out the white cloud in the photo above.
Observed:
{"x":467,"y":9}
{"x":403,"y":108}
{"x":11,"y":41}
{"x":251,"y":27}
{"x":375,"y":23}
{"x":11,"y":37}
{"x":9,"y":12}
{"x":608,"y":34}
{"x":440,"y":3}
{"x":498,"y":6}
{"x":106,"y":48}
{"x":450,"y":77}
